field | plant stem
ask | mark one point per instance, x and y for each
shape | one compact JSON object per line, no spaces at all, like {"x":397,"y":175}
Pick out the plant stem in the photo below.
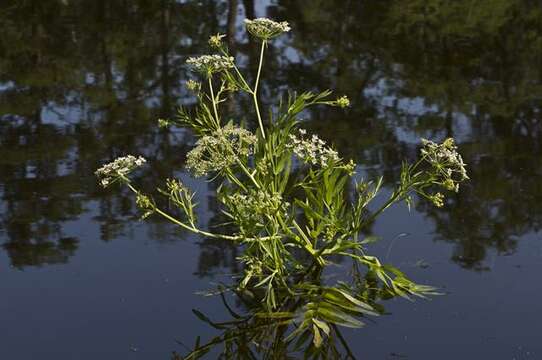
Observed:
{"x":243,"y":167}
{"x":403,"y":190}
{"x":196,"y":230}
{"x":255,"y":91}
{"x":247,"y":172}
{"x":214,"y":103}
{"x":388,"y":203}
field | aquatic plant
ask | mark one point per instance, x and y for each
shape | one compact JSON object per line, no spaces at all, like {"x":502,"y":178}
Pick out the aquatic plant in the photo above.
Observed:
{"x":292,"y":202}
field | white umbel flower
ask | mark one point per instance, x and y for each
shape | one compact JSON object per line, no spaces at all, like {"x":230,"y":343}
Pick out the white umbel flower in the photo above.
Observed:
{"x":221,"y":149}
{"x":265,"y":29}
{"x":446,"y":162}
{"x":209,"y":64}
{"x":313,"y":151}
{"x":120,"y":167}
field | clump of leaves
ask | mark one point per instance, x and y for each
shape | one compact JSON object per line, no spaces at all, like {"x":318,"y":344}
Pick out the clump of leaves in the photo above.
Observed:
{"x":289,"y":224}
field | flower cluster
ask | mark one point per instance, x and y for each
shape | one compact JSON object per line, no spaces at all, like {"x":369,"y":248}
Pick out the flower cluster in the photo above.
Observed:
{"x":209,"y":64}
{"x":313,"y":151}
{"x":215,"y":41}
{"x":163,"y":123}
{"x":446,"y":162}
{"x":182,"y":197}
{"x":266,"y":29}
{"x":437,"y":199}
{"x":193,"y":85}
{"x":250,"y":209}
{"x":176,"y":186}
{"x":145,"y":203}
{"x":343,"y":101}
{"x":120,"y":167}
{"x":220,"y":150}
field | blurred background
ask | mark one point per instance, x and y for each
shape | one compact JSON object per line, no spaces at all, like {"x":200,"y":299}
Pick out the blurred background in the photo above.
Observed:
{"x":84,"y":81}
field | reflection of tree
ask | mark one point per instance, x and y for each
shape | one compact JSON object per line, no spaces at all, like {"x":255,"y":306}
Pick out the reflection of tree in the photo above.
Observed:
{"x":498,"y":206}
{"x":82,"y":82}
{"x":38,"y":194}
{"x":477,"y":61}
{"x":485,"y":66}
{"x":91,"y":77}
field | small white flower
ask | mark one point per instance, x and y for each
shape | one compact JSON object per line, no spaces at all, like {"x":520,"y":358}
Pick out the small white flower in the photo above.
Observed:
{"x":193,"y":85}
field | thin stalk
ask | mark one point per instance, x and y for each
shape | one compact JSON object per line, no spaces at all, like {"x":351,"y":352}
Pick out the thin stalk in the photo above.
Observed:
{"x":241,"y":77}
{"x":247,"y":172}
{"x":235,"y":180}
{"x":196,"y":230}
{"x":255,"y":91}
{"x":215,"y":110}
{"x":213,"y":101}
{"x":388,"y":203}
{"x":395,"y":196}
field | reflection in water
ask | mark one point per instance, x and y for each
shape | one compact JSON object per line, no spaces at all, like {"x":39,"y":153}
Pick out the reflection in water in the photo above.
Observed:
{"x":254,"y":333}
{"x":253,"y":337}
{"x":428,"y":70}
{"x":102,"y":72}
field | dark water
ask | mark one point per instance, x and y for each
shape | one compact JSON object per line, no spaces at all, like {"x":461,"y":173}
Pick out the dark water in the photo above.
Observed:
{"x":82,"y":82}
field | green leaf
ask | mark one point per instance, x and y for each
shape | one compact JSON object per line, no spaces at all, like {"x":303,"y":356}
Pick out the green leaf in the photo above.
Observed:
{"x":370,"y":239}
{"x":322,"y":325}
{"x":317,"y":337}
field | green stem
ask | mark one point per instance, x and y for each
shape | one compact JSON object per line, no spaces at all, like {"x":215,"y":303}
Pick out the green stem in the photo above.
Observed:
{"x":213,"y":101}
{"x":235,"y":180}
{"x":245,"y":84}
{"x":388,"y":203}
{"x":196,"y":230}
{"x":243,"y":167}
{"x":255,"y":91}
{"x":395,"y":196}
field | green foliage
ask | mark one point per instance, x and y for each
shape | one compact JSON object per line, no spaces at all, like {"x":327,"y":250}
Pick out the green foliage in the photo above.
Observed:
{"x":288,"y":197}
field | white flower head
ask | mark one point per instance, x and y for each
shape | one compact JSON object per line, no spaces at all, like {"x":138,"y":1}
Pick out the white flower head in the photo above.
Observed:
{"x":446,"y":162}
{"x":118,"y":168}
{"x":253,"y":206}
{"x":220,"y":150}
{"x":265,"y":29}
{"x":313,"y":151}
{"x":209,"y":64}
